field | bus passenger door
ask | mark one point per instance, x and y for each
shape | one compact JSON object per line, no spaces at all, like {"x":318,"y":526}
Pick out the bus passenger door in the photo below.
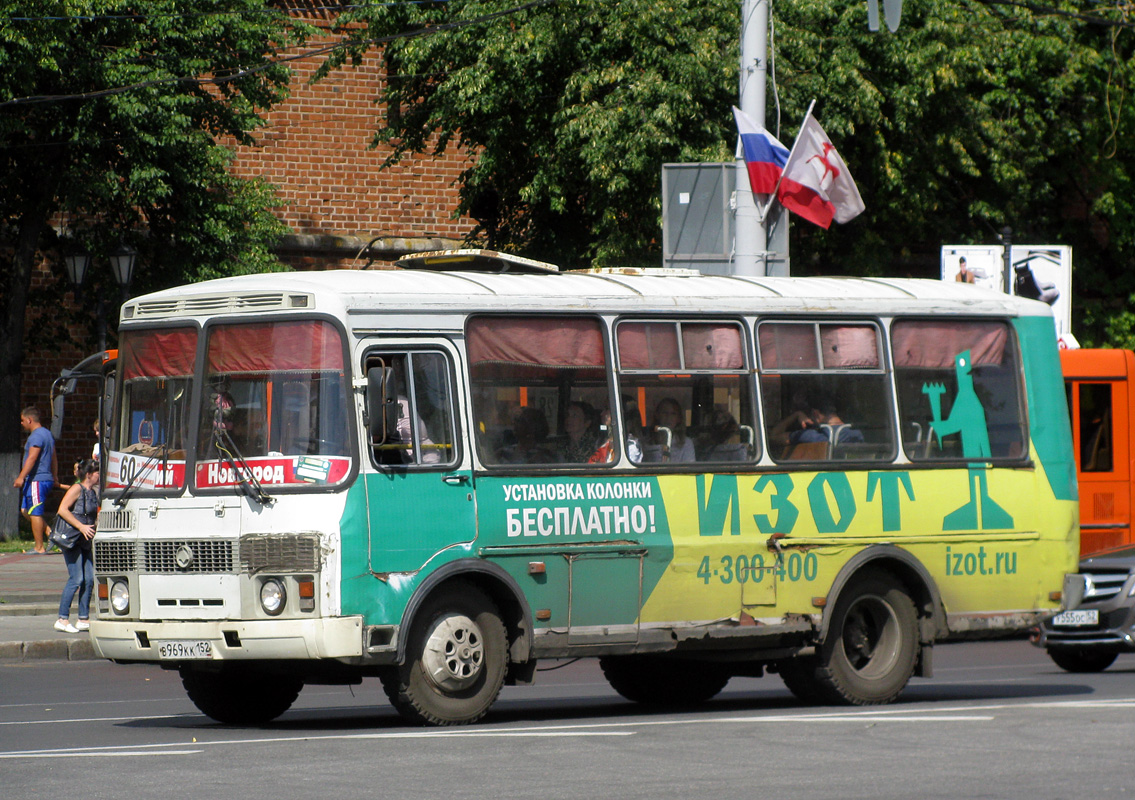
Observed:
{"x":419,"y":490}
{"x":1101,"y":431}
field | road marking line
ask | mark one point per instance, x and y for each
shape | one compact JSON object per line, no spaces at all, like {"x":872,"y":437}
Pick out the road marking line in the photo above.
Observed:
{"x":97,"y":719}
{"x":160,"y":746}
{"x":116,"y":754}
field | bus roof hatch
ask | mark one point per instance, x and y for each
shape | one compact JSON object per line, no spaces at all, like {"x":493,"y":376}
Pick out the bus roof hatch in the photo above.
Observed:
{"x":474,"y":261}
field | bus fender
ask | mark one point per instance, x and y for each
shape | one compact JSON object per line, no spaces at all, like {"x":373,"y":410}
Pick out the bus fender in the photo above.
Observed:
{"x":908,"y":569}
{"x":498,"y":584}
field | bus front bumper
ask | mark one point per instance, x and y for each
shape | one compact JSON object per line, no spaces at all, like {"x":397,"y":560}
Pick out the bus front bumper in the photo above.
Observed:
{"x":333,"y":637}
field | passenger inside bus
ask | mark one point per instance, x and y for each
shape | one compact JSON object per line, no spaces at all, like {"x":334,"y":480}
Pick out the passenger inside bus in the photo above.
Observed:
{"x":530,"y":429}
{"x":585,"y":443}
{"x":632,"y":421}
{"x":668,"y":434}
{"x":819,"y":423}
{"x":721,"y":440}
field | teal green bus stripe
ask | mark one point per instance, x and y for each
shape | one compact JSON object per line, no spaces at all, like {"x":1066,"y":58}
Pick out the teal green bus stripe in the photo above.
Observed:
{"x":1049,"y":425}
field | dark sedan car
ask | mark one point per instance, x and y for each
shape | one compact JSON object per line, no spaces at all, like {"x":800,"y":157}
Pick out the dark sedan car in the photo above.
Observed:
{"x":1098,"y":622}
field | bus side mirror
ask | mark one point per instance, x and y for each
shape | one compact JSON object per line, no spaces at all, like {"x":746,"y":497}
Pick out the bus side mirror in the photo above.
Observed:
{"x":382,"y":406}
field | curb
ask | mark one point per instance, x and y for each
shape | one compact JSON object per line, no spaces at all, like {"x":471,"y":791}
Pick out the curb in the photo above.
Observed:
{"x":29,"y":609}
{"x":58,"y":649}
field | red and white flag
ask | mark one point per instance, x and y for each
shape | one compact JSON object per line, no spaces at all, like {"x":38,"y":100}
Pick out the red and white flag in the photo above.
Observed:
{"x":816,"y":183}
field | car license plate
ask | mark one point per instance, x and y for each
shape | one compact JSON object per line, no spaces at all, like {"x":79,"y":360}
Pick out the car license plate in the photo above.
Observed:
{"x":179,"y":650}
{"x":1077,"y":617}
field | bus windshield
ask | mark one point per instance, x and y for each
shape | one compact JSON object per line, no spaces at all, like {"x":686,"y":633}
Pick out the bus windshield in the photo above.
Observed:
{"x":274,"y":403}
{"x":149,"y":436}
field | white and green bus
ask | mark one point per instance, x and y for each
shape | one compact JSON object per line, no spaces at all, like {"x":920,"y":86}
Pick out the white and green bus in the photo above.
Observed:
{"x":441,"y":474}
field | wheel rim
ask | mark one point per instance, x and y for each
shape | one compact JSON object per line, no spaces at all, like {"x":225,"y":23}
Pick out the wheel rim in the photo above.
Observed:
{"x":454,"y":654}
{"x":871,"y":637}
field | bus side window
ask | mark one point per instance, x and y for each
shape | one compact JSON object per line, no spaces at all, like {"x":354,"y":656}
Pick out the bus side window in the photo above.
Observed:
{"x":686,"y":392}
{"x":539,"y":387}
{"x":825,"y":391}
{"x":424,"y":431}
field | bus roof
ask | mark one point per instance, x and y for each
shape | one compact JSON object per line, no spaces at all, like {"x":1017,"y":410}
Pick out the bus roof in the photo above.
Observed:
{"x":417,"y":291}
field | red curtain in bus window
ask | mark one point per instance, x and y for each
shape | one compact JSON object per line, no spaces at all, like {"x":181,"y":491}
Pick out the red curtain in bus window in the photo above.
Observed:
{"x":648,"y":345}
{"x":165,"y":353}
{"x":788,"y":346}
{"x":709,"y":346}
{"x":933,"y":344}
{"x":849,"y":346}
{"x":536,"y":341}
{"x":275,"y":346}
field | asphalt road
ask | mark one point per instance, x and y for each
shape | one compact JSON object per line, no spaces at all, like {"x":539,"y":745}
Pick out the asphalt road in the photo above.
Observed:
{"x":998,"y":720}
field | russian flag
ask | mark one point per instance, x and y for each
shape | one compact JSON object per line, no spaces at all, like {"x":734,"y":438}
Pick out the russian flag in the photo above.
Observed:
{"x":764,"y":155}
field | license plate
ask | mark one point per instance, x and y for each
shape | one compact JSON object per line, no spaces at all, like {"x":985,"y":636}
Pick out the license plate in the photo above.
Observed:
{"x":1077,"y":617}
{"x":184,"y":650}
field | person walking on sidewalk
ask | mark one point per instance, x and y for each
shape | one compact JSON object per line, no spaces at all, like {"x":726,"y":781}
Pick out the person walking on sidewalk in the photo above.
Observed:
{"x":39,"y":474}
{"x":79,"y":510}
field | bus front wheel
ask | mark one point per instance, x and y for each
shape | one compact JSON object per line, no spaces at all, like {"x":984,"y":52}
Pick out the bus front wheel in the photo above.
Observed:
{"x":872,"y":644}
{"x":240,"y":696}
{"x":456,"y":660}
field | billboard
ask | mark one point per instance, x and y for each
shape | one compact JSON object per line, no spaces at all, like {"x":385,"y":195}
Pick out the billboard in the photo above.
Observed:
{"x":1040,"y":271}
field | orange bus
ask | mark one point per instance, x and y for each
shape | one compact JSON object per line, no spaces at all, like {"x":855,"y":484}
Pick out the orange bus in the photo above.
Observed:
{"x":1100,"y":401}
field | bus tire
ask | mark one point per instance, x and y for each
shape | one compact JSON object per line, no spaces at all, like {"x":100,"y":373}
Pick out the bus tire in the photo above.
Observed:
{"x":240,"y":696}
{"x":1081,"y":659}
{"x":799,"y":675}
{"x":872,"y":643}
{"x":654,"y":681}
{"x":455,"y":660}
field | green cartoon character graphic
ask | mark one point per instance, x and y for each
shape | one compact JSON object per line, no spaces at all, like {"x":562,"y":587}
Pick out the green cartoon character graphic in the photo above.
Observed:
{"x":967,"y":418}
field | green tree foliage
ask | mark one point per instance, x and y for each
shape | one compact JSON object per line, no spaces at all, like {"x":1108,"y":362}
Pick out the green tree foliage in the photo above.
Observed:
{"x":110,"y":118}
{"x":571,"y":108}
{"x":973,"y":116}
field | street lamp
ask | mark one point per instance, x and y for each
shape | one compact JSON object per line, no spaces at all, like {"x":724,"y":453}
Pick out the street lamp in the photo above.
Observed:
{"x":77,"y":265}
{"x":121,"y":264}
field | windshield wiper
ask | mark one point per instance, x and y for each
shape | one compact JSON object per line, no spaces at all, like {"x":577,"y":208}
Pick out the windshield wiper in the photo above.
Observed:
{"x":246,"y":481}
{"x":247,"y":484}
{"x":146,"y":467}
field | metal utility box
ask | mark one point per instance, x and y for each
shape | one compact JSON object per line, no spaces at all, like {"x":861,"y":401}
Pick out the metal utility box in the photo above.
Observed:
{"x":698,"y":224}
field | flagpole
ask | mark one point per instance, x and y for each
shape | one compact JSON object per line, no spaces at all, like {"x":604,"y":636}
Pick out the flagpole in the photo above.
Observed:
{"x":795,"y":142}
{"x":750,"y":245}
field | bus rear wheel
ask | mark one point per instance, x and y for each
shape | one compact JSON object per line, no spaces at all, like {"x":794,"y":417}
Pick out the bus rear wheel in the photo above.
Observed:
{"x":455,"y":661}
{"x":240,"y":696}
{"x":872,"y":644}
{"x":1081,"y":659}
{"x":655,"y":681}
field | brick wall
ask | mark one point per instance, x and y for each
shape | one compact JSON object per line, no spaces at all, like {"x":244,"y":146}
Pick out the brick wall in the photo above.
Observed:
{"x":316,"y":150}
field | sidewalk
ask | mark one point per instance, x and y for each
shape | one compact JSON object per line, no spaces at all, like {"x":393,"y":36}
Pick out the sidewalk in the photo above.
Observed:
{"x":30,"y":586}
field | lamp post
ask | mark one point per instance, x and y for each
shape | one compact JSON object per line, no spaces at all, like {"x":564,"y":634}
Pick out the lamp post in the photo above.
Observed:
{"x":121,"y":264}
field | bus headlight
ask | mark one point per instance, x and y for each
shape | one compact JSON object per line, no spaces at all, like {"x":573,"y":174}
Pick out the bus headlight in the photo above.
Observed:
{"x":272,"y":596}
{"x":120,"y":597}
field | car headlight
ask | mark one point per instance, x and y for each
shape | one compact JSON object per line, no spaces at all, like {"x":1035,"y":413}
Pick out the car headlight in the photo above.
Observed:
{"x":272,"y":596}
{"x":120,"y":597}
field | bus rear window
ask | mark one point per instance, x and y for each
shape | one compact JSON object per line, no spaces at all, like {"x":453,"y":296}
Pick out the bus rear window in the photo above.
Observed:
{"x":959,"y":389}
